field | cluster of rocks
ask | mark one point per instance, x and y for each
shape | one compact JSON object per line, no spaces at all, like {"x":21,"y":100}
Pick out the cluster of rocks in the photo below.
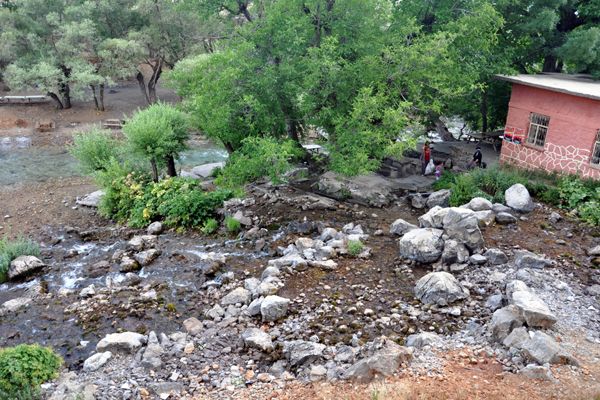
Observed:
{"x":141,"y":250}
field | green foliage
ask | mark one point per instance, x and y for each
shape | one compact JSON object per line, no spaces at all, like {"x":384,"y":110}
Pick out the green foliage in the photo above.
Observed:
{"x":232,"y":225}
{"x":210,"y":226}
{"x":257,"y":158}
{"x":24,"y":368}
{"x":582,"y":196}
{"x":355,"y":247}
{"x":94,"y":149}
{"x":11,"y":249}
{"x":572,"y":192}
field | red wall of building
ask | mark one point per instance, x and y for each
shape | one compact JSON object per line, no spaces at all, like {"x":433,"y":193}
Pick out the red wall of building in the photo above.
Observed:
{"x":574,"y":123}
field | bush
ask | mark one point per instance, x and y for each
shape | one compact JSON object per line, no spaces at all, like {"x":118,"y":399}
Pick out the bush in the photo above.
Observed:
{"x":257,"y":158}
{"x":94,"y":149}
{"x":24,"y":368}
{"x":210,"y":226}
{"x":11,"y":249}
{"x":232,"y":224}
{"x":355,"y":247}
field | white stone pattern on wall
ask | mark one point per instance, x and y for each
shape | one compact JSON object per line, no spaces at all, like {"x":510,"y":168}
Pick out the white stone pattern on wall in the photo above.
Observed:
{"x":569,"y":159}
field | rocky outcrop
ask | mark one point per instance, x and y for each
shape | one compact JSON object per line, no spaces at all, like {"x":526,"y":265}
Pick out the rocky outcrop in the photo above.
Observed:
{"x":439,"y":288}
{"x":423,"y":245}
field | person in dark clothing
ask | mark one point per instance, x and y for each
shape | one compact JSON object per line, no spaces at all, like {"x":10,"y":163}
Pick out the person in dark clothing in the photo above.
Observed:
{"x":425,"y":157}
{"x":477,"y":158}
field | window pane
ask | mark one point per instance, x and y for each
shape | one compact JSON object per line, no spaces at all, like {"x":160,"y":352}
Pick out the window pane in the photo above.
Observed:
{"x":596,"y":154}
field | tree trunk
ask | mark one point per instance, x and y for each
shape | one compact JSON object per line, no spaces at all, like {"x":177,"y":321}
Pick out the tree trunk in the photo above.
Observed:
{"x":156,"y":72}
{"x":140,"y":78}
{"x":64,"y":88}
{"x":243,"y":7}
{"x":484,"y":111}
{"x":93,"y":87}
{"x":442,"y":130}
{"x":171,"y":171}
{"x":53,"y":96}
{"x":551,"y":64}
{"x":101,"y":98}
{"x":292,"y":129}
{"x":154,"y":170}
{"x":228,"y":147}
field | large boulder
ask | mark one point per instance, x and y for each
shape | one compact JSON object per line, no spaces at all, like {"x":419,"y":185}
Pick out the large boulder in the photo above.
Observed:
{"x":527,"y":259}
{"x":496,"y":257}
{"x":454,"y":252}
{"x":300,"y":352}
{"x":479,"y":204}
{"x":433,"y":218}
{"x":439,"y":288}
{"x":273,"y":308}
{"x":505,"y":218}
{"x":462,"y":225}
{"x":206,"y":170}
{"x":517,"y":197}
{"x":533,"y":309}
{"x":22,"y":266}
{"x":126,"y":341}
{"x":257,"y":339}
{"x":516,"y":338}
{"x":424,"y":245}
{"x":385,"y":361}
{"x":541,"y":348}
{"x":439,"y":198}
{"x":504,"y":321}
{"x":400,"y":227}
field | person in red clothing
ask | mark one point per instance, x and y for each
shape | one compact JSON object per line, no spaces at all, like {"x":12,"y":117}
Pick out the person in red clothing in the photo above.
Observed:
{"x":425,"y":157}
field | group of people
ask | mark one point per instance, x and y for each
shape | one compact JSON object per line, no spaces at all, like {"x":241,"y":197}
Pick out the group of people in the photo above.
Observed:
{"x":430,"y":166}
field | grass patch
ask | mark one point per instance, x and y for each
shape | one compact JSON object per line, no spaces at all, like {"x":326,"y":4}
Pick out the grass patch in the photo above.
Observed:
{"x":210,"y":226}
{"x":232,"y":225}
{"x":355,"y":247}
{"x":11,"y":249}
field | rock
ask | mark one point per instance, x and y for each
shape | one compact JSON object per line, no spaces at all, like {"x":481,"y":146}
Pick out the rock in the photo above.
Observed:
{"x":517,"y":197}
{"x":289,"y":260}
{"x":527,"y":259}
{"x":193,"y":326}
{"x":91,"y":200}
{"x":496,"y":257}
{"x":454,"y":252}
{"x":439,"y":198}
{"x":537,"y":372}
{"x":96,"y":361}
{"x":300,"y":352}
{"x":479,"y":204}
{"x":477,"y":259}
{"x":139,"y":243}
{"x":317,"y":373}
{"x":151,"y":357}
{"x":516,"y":338}
{"x":461,"y":225}
{"x":257,"y":339}
{"x":22,"y":266}
{"x":154,"y":228}
{"x":383,"y":362}
{"x":535,"y":312}
{"x":237,"y":296}
{"x":504,"y":321}
{"x":504,"y":218}
{"x":439,"y":288}
{"x":328,"y":234}
{"x":498,"y":208}
{"x":423,"y":245}
{"x":206,"y":170}
{"x":514,"y":286}
{"x":400,"y":227}
{"x":242,"y":219}
{"x":418,"y":201}
{"x":421,"y":339}
{"x":126,"y":341}
{"x":254,"y":307}
{"x":128,"y":264}
{"x":593,"y":290}
{"x":372,"y":189}
{"x":485,"y":218}
{"x":268,"y":286}
{"x":330,"y":265}
{"x":541,"y":348}
{"x":14,"y":305}
{"x":433,"y":218}
{"x":212,"y":267}
{"x":554,"y":217}
{"x":88,"y":291}
{"x":273,"y":308}
{"x":594,"y":251}
{"x":216,"y":312}
{"x":270,"y":271}
{"x":146,"y":257}
{"x":494,"y":302}
{"x":251,"y":284}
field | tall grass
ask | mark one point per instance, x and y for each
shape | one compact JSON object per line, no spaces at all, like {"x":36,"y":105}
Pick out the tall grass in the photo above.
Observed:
{"x":11,"y":249}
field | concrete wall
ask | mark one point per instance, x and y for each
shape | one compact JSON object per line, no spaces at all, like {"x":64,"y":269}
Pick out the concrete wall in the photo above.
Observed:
{"x":574,"y":123}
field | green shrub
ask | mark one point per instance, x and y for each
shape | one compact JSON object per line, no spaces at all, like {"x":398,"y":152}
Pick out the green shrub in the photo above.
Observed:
{"x":24,"y":368}
{"x":232,"y":224}
{"x":550,"y":195}
{"x":94,"y":149}
{"x":446,"y":181}
{"x":210,"y":226}
{"x":572,"y":191}
{"x":355,"y":247}
{"x":257,"y":158}
{"x":11,"y":249}
{"x":589,"y":212}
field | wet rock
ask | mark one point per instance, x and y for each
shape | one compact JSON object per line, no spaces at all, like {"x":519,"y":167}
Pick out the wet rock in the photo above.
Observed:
{"x":91,"y":200}
{"x":237,"y":296}
{"x":479,"y":204}
{"x":212,"y":267}
{"x":273,"y":308}
{"x":540,"y":372}
{"x":126,"y":341}
{"x":535,"y":312}
{"x":423,"y":245}
{"x":141,"y":242}
{"x":146,"y":257}
{"x":421,"y":339}
{"x":527,"y":259}
{"x":516,"y":338}
{"x":494,"y":302}
{"x":300,"y":352}
{"x":23,"y":266}
{"x":454,"y":252}
{"x":517,"y":197}
{"x":96,"y":361}
{"x":418,"y":201}
{"x":193,"y":326}
{"x":504,"y":218}
{"x":439,"y":198}
{"x":439,"y":288}
{"x":257,"y":339}
{"x":128,"y":264}
{"x":400,"y":227}
{"x":383,"y":362}
{"x":504,"y":321}
{"x":153,"y":352}
{"x":14,"y":305}
{"x":98,"y":269}
{"x":154,"y":228}
{"x":496,"y":257}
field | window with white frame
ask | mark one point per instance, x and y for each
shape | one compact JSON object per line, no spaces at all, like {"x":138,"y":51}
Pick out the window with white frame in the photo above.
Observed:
{"x":538,"y":128}
{"x":595,"y":159}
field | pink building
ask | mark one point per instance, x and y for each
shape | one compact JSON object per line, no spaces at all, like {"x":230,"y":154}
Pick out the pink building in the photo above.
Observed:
{"x":553,"y":123}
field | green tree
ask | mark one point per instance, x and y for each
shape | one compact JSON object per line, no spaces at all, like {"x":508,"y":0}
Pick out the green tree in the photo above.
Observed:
{"x":158,"y":133}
